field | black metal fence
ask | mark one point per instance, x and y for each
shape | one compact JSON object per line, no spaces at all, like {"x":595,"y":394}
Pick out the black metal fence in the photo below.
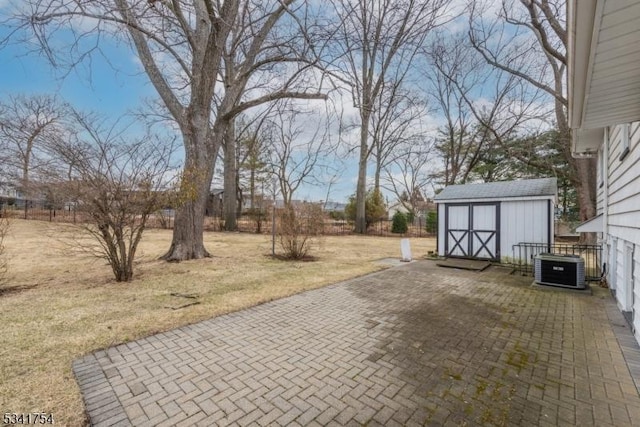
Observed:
{"x":246,"y":223}
{"x":330,"y":227}
{"x":524,"y":253}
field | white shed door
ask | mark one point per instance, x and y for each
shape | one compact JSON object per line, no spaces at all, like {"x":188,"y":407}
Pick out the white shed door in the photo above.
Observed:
{"x":472,"y":230}
{"x":457,"y":230}
{"x":484,"y":231}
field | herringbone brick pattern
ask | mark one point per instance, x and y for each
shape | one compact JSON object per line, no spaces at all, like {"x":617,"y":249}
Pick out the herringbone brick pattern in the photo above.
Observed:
{"x":413,"y":345}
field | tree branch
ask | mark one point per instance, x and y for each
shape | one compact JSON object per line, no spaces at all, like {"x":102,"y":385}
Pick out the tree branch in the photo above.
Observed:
{"x":271,"y":97}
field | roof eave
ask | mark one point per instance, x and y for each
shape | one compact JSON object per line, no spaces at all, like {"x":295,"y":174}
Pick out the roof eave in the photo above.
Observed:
{"x":582,"y":31}
{"x":580,"y":46}
{"x":496,"y":198}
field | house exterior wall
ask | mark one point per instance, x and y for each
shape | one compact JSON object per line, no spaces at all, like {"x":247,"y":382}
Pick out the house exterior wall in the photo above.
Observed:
{"x":619,"y":199}
{"x":600,"y":182}
{"x":636,"y":293}
{"x":624,"y":185}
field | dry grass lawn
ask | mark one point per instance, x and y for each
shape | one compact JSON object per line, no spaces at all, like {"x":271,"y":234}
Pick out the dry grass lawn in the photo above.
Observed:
{"x":66,"y":303}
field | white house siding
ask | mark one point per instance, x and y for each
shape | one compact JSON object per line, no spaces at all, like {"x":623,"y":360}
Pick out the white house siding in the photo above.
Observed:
{"x":636,"y":291}
{"x":600,"y":183}
{"x":612,"y":257}
{"x":622,"y":295}
{"x":623,"y":218}
{"x":603,"y":80}
{"x":624,"y":186}
{"x":523,"y":222}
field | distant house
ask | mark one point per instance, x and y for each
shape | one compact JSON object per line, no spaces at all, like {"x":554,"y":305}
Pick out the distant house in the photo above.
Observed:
{"x":214,"y":203}
{"x":604,"y":113}
{"x":9,"y":191}
{"x":396,"y":207}
{"x":10,"y":195}
{"x":420,"y":210}
{"x":485,"y":221}
{"x":334,"y":207}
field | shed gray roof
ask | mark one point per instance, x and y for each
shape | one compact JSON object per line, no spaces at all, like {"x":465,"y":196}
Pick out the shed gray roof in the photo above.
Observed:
{"x":500,"y":190}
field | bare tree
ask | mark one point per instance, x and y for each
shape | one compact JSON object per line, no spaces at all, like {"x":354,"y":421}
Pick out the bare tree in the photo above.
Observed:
{"x":396,"y":121}
{"x":453,"y":140}
{"x":29,"y":125}
{"x":182,"y":47}
{"x":299,"y":145}
{"x":484,"y":109}
{"x":410,"y":174}
{"x":118,"y":184}
{"x":375,"y":42}
{"x":252,"y":157}
{"x":528,"y":40}
{"x":283,"y":65}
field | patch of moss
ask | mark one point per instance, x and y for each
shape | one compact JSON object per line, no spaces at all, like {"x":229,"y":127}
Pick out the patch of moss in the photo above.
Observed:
{"x":518,"y":358}
{"x":481,"y":387}
{"x":468,"y":409}
{"x":448,"y":372}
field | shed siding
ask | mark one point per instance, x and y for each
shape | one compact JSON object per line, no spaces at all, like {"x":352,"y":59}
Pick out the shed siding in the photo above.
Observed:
{"x":524,"y":221}
{"x":441,"y":231}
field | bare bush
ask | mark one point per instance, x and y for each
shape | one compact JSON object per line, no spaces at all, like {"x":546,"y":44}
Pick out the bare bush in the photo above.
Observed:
{"x":119,"y":185}
{"x":299,"y":229}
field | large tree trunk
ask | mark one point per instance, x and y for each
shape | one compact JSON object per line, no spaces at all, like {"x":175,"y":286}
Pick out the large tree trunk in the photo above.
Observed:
{"x":230,"y":187}
{"x":586,"y":189}
{"x":252,"y":187}
{"x":584,"y":174}
{"x":201,"y":149}
{"x":188,"y":231}
{"x":361,"y":189}
{"x":376,"y":181}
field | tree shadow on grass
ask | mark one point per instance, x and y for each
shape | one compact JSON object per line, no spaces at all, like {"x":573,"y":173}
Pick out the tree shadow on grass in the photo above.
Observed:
{"x":12,"y":290}
{"x":306,"y":258}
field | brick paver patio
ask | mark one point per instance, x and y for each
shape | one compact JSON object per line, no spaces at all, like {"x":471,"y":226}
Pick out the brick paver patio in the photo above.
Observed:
{"x":411,"y":345}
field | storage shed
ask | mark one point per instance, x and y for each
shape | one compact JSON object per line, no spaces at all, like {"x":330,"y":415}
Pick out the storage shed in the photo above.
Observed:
{"x":484,"y":221}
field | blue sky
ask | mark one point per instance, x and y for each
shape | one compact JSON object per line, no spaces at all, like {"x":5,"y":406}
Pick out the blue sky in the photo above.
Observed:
{"x":100,"y":87}
{"x":115,"y":85}
{"x":111,"y":86}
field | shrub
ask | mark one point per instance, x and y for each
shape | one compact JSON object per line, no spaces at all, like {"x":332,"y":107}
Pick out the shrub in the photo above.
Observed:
{"x":399,"y":223}
{"x":375,"y":209}
{"x":258,"y":216}
{"x":411,"y":217}
{"x":432,"y":222}
{"x":299,"y":229}
{"x":337,"y":215}
{"x":119,"y":186}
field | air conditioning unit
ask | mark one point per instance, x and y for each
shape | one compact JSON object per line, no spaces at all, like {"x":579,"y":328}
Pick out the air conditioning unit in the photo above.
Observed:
{"x":560,"y":270}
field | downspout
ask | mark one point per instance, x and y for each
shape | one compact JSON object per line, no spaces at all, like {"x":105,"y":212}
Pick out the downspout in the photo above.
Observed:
{"x":610,"y":269}
{"x":605,"y":185}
